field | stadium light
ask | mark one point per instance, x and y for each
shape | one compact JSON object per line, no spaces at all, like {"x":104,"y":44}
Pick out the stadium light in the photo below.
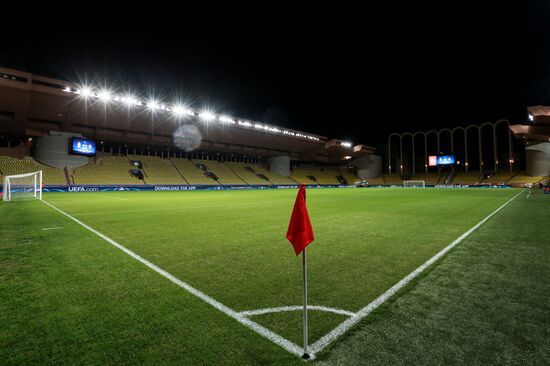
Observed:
{"x":130,"y":100}
{"x":86,"y":92}
{"x":346,"y":144}
{"x":153,"y":105}
{"x":104,"y":95}
{"x":531,"y":118}
{"x":180,"y":110}
{"x":226,"y":119}
{"x":347,"y":157}
{"x":207,"y":116}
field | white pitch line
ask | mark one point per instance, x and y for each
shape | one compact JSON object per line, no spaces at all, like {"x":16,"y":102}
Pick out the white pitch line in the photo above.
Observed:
{"x":362,"y":313}
{"x":52,"y":228}
{"x":264,"y":332}
{"x":295,"y":308}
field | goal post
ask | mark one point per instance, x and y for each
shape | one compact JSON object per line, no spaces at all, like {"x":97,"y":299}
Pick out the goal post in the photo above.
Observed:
{"x":22,"y":186}
{"x":414,"y":184}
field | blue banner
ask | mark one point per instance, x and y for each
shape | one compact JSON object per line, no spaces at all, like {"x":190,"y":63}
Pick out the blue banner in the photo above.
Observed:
{"x":171,"y":187}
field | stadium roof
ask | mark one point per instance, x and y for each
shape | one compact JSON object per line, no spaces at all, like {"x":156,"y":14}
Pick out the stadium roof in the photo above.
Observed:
{"x":539,"y":127}
{"x":34,"y":105}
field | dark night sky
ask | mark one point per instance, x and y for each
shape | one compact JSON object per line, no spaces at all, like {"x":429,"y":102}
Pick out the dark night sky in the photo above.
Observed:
{"x":356,"y":74}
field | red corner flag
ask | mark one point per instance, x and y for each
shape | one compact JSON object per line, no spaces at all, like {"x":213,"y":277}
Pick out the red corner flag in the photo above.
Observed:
{"x":299,"y":232}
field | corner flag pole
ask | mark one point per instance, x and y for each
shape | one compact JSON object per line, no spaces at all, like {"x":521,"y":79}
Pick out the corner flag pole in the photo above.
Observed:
{"x":300,"y":235}
{"x":304,"y":264}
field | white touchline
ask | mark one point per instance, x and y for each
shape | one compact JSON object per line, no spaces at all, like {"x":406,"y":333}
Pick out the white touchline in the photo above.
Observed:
{"x":266,"y":333}
{"x":284,"y":343}
{"x":362,"y":313}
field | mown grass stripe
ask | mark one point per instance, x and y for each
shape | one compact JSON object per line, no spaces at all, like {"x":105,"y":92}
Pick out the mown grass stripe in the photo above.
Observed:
{"x":264,"y":332}
{"x":362,"y":313}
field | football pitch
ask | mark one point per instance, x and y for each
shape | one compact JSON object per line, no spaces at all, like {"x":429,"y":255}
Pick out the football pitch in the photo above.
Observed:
{"x":208,"y":277}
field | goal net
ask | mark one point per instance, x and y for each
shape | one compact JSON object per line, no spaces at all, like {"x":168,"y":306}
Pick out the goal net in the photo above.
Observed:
{"x":22,"y":186}
{"x":414,"y":184}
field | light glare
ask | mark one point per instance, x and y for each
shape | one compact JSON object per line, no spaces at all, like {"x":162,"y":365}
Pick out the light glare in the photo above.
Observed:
{"x":105,"y":95}
{"x":207,"y":116}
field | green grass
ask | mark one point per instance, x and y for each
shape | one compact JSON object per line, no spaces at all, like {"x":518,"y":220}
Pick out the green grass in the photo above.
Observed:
{"x":70,"y":297}
{"x":486,"y":303}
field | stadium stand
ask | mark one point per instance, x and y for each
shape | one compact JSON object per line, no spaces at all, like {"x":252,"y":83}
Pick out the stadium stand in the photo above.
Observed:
{"x":158,"y":171}
{"x":326,"y":175}
{"x":467,"y":178}
{"x":348,"y":177}
{"x":305,"y":176}
{"x":521,"y":179}
{"x":10,"y":166}
{"x":430,"y":178}
{"x":246,"y":173}
{"x":191,"y":173}
{"x":106,"y":170}
{"x":220,"y":170}
{"x":376,"y":181}
{"x":271,"y":176}
{"x":498,"y":178}
{"x":393,"y":179}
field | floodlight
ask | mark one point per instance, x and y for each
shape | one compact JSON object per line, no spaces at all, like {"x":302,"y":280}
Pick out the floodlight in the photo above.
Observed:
{"x":207,"y":116}
{"x":226,"y":119}
{"x":180,"y":110}
{"x":153,"y":105}
{"x":346,"y":144}
{"x":129,"y":100}
{"x":531,"y":117}
{"x":85,"y":92}
{"x":104,"y":95}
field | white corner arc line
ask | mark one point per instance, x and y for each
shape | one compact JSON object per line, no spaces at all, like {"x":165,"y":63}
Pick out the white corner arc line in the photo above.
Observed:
{"x":281,"y":309}
{"x":264,"y":332}
{"x":362,"y":313}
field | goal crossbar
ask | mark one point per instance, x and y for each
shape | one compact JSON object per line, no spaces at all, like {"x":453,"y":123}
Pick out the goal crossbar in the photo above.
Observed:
{"x":414,"y":183}
{"x":22,"y":186}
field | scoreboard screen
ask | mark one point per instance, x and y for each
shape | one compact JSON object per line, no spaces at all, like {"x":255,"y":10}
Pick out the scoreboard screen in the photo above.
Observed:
{"x":81,"y":146}
{"x":445,"y":159}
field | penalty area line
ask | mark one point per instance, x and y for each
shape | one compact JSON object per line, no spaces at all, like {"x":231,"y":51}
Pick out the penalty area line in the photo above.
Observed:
{"x":264,"y":332}
{"x":362,"y":313}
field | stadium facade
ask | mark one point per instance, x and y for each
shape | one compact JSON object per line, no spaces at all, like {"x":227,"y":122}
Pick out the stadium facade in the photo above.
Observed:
{"x":142,"y":141}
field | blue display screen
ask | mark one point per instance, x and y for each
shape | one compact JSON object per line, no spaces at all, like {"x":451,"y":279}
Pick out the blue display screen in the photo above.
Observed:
{"x":445,"y":159}
{"x":82,"y":146}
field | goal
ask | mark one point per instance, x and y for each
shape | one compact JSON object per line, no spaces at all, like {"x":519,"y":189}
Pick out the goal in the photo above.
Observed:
{"x":22,"y":186}
{"x":414,"y":184}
